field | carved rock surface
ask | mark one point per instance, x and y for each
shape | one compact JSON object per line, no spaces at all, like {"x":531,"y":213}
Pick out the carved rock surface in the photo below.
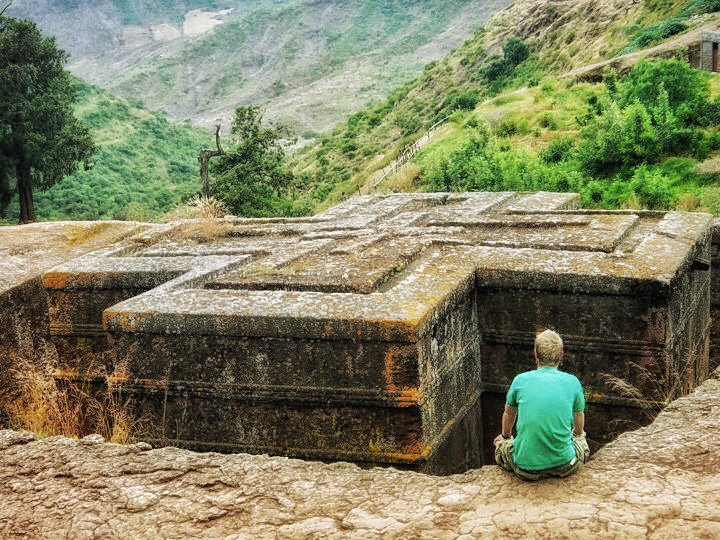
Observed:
{"x":387,"y":328}
{"x":661,"y":481}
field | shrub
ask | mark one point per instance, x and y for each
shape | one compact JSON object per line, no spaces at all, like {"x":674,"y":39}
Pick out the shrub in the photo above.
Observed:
{"x":515,"y":51}
{"x":466,"y":101}
{"x":600,"y":151}
{"x":549,"y":121}
{"x":558,"y":150}
{"x":495,"y":68}
{"x":617,"y":139}
{"x":698,"y":7}
{"x":654,"y":33}
{"x":684,"y":86}
{"x":653,"y":189}
{"x":507,"y":128}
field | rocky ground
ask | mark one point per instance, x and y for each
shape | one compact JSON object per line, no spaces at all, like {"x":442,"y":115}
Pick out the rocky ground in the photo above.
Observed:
{"x":662,"y":481}
{"x":29,"y":250}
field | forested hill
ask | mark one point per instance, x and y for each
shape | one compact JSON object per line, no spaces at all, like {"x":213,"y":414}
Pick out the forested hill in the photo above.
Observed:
{"x":144,"y":165}
{"x":310,"y":62}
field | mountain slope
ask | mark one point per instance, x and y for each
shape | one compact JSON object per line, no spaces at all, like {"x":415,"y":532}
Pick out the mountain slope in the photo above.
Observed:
{"x":560,"y":35}
{"x":144,"y":166}
{"x":310,"y":62}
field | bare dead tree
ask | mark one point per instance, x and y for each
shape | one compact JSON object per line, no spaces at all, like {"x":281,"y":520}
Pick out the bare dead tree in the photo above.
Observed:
{"x":3,"y":9}
{"x":204,"y":159}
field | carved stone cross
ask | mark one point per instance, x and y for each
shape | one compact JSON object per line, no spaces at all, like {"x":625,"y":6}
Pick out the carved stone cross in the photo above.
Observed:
{"x":387,"y":329}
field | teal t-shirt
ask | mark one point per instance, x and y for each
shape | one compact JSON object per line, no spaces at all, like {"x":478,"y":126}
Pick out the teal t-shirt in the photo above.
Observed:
{"x":546,"y":400}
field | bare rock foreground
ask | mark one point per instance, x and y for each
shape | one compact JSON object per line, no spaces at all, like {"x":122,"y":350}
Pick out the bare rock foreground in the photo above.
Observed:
{"x":661,"y":481}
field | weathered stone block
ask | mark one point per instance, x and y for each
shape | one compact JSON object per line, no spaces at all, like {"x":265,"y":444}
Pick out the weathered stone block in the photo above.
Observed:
{"x":387,"y":329}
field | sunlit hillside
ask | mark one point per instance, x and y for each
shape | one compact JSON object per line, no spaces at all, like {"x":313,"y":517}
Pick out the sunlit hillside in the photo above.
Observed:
{"x":144,"y":166}
{"x":524,"y":103}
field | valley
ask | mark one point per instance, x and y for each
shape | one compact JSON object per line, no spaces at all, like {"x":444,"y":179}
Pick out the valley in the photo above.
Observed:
{"x":309,"y":63}
{"x":517,"y":100}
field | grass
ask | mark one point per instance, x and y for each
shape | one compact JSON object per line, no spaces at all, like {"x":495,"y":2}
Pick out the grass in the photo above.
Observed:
{"x":47,"y":405}
{"x":202,"y":217}
{"x":402,"y":181}
{"x":658,"y":393}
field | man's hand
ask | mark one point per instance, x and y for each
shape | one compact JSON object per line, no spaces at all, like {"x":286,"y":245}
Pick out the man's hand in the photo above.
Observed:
{"x":500,"y":439}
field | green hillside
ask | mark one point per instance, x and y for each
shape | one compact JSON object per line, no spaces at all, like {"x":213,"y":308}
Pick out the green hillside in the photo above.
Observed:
{"x":310,"y":63}
{"x":506,"y":116}
{"x":144,"y":166}
{"x":511,"y":120}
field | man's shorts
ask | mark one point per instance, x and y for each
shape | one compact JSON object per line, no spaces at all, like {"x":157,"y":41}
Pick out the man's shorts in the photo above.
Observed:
{"x":504,"y":458}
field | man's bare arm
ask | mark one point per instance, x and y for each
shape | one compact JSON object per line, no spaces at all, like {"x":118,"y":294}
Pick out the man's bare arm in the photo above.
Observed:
{"x":508,"y":419}
{"x":579,"y":423}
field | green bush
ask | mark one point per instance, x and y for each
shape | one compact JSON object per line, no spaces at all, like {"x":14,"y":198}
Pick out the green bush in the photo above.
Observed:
{"x":600,"y":149}
{"x":558,"y":150}
{"x":549,"y":121}
{"x":497,"y":68}
{"x":465,"y":101}
{"x":698,"y":7}
{"x":652,"y":188}
{"x":654,"y":34}
{"x":507,"y":128}
{"x":515,"y":51}
{"x":685,"y":86}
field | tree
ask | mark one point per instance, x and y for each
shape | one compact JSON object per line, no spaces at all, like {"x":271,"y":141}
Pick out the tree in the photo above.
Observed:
{"x":204,"y":159}
{"x":252,"y":177}
{"x":515,"y":51}
{"x":683,"y":85}
{"x":40,"y":139}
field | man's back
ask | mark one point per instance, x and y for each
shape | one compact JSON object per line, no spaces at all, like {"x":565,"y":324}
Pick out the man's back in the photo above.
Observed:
{"x":546,"y":400}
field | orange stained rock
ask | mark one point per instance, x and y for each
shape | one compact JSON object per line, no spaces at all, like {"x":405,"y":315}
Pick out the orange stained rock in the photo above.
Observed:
{"x":390,"y":329}
{"x":126,"y":320}
{"x":76,"y":280}
{"x":405,"y":396}
{"x":58,"y":280}
{"x":412,"y":452}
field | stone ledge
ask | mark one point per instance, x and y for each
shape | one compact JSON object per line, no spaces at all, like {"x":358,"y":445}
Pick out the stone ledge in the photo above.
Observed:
{"x":661,"y":481}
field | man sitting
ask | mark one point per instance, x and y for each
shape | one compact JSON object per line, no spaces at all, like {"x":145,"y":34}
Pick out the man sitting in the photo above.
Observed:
{"x":549,"y":406}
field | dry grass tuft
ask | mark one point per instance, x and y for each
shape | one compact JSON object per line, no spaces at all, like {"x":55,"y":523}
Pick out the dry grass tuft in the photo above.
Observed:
{"x":709,"y":167}
{"x":199,"y":207}
{"x":44,"y":405}
{"x":632,"y":203}
{"x":660,"y":391}
{"x":402,"y":181}
{"x":201,"y":230}
{"x":209,"y":207}
{"x":204,"y":219}
{"x":621,"y":386}
{"x":689,"y":202}
{"x":710,"y":198}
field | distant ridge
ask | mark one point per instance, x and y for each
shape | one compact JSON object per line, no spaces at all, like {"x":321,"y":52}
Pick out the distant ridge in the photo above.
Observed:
{"x":311,"y":63}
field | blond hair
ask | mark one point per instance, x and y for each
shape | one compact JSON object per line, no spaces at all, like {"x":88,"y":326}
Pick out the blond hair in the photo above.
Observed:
{"x":548,"y":348}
